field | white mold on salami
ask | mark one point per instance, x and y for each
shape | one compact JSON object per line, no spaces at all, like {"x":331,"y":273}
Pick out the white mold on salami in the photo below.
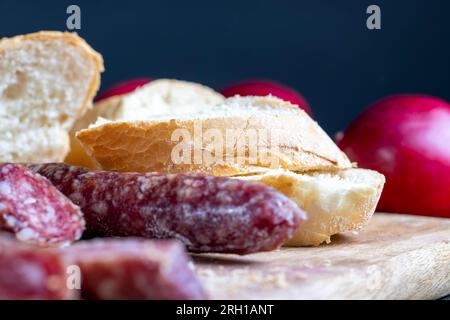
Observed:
{"x":100,"y":208}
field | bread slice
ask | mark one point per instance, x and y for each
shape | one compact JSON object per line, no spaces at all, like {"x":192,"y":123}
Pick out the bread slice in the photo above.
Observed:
{"x":47,"y":80}
{"x":242,"y":135}
{"x":163,"y":96}
{"x":334,"y":201}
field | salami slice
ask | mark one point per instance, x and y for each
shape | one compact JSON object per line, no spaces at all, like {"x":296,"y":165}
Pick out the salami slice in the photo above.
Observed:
{"x":206,"y":213}
{"x":135,"y":269}
{"x":34,"y":210}
{"x":28,"y":272}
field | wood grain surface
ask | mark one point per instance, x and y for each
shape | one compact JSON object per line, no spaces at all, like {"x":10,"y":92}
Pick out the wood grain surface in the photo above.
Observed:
{"x":395,"y":257}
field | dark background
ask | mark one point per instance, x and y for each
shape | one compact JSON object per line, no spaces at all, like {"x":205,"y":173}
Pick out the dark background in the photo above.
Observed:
{"x":321,"y":48}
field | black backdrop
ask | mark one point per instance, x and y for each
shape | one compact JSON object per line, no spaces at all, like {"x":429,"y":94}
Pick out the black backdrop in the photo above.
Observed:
{"x":321,"y":48}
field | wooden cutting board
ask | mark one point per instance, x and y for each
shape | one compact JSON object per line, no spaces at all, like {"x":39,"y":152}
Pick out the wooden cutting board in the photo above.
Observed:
{"x":395,"y":257}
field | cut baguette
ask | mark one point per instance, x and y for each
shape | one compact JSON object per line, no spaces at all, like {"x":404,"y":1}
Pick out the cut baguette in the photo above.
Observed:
{"x":163,"y":96}
{"x":286,"y":138}
{"x":335,"y":202}
{"x":47,"y":80}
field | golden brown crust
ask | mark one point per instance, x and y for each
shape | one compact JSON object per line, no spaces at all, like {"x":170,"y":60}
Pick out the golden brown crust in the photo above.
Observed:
{"x":116,"y":107}
{"x":72,"y":39}
{"x":301,"y":145}
{"x":77,"y":155}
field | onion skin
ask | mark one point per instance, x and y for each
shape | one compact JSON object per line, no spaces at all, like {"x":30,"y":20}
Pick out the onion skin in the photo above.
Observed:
{"x":264,"y":88}
{"x":407,"y":138}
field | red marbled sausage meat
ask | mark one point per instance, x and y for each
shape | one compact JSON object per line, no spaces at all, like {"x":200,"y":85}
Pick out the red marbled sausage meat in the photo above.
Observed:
{"x":28,"y":272}
{"x":34,"y":210}
{"x":206,"y":213}
{"x":138,"y":269}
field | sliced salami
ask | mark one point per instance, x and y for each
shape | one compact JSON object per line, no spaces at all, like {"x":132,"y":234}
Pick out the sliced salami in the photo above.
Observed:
{"x":27,"y":272}
{"x":137,"y":269}
{"x":206,"y":213}
{"x":34,"y":210}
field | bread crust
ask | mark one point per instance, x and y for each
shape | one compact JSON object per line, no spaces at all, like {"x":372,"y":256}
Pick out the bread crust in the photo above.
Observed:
{"x":72,"y":39}
{"x":111,"y":109}
{"x":146,"y":146}
{"x":77,"y":155}
{"x":331,"y":210}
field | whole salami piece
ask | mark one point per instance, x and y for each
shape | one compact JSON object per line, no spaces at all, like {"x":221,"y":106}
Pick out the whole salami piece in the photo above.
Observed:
{"x":28,"y":273}
{"x":34,"y":210}
{"x":135,"y":269}
{"x":206,"y":213}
